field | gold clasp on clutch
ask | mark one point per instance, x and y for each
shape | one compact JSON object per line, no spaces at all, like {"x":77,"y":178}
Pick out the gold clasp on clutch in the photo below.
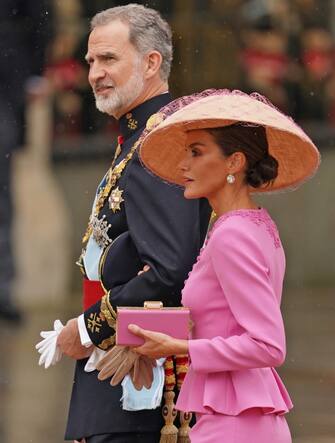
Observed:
{"x":153,"y":305}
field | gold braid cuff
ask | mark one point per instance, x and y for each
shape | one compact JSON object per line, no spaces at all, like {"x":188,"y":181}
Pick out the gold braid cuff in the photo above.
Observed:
{"x":107,"y":311}
{"x":107,"y":343}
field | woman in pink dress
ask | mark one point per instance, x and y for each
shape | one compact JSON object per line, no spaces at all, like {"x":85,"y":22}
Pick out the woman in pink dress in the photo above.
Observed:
{"x":235,"y":145}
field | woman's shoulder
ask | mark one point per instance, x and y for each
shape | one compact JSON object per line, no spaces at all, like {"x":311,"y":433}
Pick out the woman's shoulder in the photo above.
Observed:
{"x":254,"y":225}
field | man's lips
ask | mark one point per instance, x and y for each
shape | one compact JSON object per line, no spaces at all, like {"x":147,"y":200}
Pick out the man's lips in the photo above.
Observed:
{"x":102,"y":89}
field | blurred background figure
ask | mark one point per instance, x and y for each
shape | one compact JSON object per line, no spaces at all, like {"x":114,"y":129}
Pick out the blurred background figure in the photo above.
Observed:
{"x":23,"y":39}
{"x":318,"y":61}
{"x":265,"y":62}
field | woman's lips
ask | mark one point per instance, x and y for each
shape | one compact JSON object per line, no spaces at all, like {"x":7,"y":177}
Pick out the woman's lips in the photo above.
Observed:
{"x":187,"y":180}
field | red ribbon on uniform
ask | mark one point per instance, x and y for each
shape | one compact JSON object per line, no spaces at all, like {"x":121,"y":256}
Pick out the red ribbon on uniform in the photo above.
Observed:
{"x":92,"y":292}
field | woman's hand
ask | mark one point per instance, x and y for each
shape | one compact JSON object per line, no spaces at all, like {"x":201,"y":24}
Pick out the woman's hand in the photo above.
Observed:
{"x":158,"y":345}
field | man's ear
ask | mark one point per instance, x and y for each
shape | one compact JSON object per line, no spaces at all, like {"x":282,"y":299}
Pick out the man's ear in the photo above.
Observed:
{"x":153,"y":64}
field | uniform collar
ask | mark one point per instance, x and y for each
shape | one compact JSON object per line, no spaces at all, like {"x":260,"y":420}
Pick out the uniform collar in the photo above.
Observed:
{"x":136,"y":118}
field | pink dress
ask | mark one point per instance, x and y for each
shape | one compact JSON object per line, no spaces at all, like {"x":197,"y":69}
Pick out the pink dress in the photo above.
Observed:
{"x":234,"y":293}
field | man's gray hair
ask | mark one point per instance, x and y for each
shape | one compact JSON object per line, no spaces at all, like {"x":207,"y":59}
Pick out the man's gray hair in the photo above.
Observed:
{"x":148,"y":31}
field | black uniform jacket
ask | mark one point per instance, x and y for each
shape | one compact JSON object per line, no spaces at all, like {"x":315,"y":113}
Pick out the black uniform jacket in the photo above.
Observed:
{"x":157,"y":226}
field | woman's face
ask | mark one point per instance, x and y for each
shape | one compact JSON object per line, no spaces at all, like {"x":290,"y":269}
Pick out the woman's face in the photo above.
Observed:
{"x":205,"y":167}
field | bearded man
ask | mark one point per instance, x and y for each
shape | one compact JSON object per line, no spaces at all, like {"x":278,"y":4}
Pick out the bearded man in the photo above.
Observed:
{"x":136,"y":221}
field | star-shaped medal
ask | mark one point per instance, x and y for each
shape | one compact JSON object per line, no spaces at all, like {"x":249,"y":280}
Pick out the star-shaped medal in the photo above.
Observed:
{"x":100,"y":229}
{"x":116,"y":199}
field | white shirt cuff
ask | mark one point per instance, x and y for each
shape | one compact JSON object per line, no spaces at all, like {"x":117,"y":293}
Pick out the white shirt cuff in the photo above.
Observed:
{"x":84,"y":337}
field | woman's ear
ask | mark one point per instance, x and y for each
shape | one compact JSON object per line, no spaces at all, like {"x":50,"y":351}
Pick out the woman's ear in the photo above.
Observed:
{"x":237,"y":162}
{"x":154,"y":62}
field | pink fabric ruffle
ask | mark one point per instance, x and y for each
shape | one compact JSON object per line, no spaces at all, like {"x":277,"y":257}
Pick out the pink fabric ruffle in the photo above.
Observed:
{"x":233,"y":392}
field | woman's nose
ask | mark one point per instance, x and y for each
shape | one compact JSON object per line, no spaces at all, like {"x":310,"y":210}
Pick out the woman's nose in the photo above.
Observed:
{"x":183,"y":165}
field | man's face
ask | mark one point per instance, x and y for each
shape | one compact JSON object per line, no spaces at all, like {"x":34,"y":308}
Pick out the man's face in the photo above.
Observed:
{"x":116,"y":68}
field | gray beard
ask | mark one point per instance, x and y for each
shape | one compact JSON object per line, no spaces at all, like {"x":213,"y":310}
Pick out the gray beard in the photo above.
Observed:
{"x":121,"y":97}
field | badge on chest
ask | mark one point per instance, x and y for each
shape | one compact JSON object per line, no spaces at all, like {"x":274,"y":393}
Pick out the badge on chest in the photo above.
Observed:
{"x":115,"y":199}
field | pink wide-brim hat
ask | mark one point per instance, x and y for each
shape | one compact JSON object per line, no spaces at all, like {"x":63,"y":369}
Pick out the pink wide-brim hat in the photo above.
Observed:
{"x":163,"y":146}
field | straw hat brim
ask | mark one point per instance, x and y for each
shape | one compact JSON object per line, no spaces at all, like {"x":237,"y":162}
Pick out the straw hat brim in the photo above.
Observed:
{"x":163,"y":148}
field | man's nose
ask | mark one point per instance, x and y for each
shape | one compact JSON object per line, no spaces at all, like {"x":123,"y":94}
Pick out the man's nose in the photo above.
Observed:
{"x":96,"y":72}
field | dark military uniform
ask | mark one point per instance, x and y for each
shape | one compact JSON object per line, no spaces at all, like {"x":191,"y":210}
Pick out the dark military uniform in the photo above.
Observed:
{"x":143,"y":221}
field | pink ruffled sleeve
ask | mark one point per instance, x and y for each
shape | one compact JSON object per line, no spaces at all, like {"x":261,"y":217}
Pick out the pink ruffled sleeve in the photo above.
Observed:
{"x":240,"y":264}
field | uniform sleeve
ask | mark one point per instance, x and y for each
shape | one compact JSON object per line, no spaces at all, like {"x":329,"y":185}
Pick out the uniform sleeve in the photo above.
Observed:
{"x":244,"y":277}
{"x":166,"y":232}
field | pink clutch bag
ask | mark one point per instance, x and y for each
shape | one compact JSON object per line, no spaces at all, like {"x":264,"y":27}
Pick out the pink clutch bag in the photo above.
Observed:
{"x":171,"y":321}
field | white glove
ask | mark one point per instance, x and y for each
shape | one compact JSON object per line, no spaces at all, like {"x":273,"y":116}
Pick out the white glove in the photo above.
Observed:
{"x":92,"y":362}
{"x":50,"y":352}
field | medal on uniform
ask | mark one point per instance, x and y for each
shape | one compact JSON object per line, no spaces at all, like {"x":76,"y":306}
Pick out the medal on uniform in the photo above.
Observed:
{"x":100,"y":228}
{"x":132,"y":122}
{"x":116,"y":199}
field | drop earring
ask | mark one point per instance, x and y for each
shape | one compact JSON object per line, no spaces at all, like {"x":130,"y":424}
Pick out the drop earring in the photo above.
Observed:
{"x":230,"y":178}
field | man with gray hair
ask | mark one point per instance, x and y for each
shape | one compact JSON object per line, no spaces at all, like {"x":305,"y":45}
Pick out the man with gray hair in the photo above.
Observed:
{"x":137,"y":222}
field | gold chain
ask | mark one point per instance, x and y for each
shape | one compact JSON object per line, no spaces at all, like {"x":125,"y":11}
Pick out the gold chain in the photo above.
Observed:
{"x":113,"y":175}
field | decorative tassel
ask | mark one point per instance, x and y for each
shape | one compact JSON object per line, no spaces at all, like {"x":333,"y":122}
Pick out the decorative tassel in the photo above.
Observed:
{"x":174,"y":377}
{"x":183,"y":433}
{"x":181,"y":369}
{"x":169,"y":432}
{"x":170,"y":376}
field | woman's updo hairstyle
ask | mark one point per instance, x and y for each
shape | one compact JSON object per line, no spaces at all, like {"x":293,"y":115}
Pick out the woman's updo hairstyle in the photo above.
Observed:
{"x":251,"y":140}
